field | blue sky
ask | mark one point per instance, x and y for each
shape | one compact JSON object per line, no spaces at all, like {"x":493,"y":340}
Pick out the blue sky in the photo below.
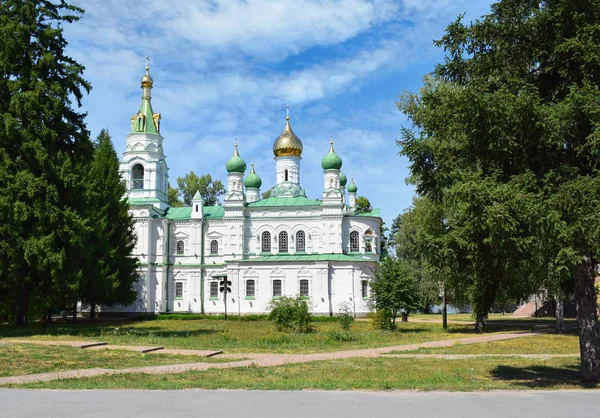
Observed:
{"x":226,"y":69}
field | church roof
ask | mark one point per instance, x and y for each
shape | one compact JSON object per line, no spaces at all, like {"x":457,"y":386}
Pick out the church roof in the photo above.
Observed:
{"x":285,"y":201}
{"x":211,"y":212}
{"x":375,"y":213}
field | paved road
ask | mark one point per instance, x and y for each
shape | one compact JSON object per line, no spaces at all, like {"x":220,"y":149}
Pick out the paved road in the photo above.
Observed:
{"x":266,"y":404}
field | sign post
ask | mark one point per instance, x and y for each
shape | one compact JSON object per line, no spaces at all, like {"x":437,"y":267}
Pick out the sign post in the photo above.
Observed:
{"x":224,"y":286}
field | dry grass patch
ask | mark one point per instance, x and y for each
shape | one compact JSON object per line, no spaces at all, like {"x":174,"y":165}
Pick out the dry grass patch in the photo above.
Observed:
{"x":22,"y":359}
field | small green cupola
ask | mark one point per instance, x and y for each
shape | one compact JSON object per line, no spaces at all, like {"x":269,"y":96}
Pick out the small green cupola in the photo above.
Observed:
{"x":252,"y":180}
{"x":331,"y":161}
{"x":236,"y":164}
{"x":145,"y":120}
{"x":343,"y":179}
{"x":352,"y":187}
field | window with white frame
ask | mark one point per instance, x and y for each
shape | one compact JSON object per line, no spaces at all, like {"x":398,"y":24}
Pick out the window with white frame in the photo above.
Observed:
{"x":368,"y":245}
{"x":179,"y":290}
{"x":300,"y":241}
{"x":354,"y":243}
{"x":214,"y":289}
{"x":266,"y":242}
{"x":250,"y":288}
{"x":283,"y":242}
{"x":304,"y":287}
{"x":180,"y":247}
{"x":214,"y":247}
{"x":276,"y":288}
{"x":364,"y":286}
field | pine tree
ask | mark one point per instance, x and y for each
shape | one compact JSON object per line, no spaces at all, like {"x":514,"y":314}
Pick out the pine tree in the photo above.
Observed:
{"x":111,"y":271}
{"x":43,"y":142}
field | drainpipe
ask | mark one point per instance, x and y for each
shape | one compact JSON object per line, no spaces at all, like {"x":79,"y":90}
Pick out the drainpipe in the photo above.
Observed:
{"x":168,"y":264}
{"x":202,"y":266}
{"x":353,"y":293}
{"x":329,"y":290}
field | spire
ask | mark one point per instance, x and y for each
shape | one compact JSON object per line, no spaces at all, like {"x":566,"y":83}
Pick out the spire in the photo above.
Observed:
{"x":146,"y":121}
{"x":288,"y":143}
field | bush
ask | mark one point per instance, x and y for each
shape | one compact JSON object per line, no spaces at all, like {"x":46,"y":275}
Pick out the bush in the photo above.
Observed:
{"x":336,"y":336}
{"x":382,"y":319}
{"x":345,"y":319}
{"x":290,"y":314}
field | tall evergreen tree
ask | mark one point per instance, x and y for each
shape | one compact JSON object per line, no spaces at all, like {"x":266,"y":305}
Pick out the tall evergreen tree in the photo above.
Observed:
{"x":506,"y":138}
{"x":111,"y":272}
{"x":43,"y":141}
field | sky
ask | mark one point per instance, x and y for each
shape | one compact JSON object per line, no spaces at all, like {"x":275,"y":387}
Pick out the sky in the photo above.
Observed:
{"x":227,"y":69}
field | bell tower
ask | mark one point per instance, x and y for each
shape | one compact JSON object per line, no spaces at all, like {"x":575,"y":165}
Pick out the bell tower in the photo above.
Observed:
{"x":143,"y":166}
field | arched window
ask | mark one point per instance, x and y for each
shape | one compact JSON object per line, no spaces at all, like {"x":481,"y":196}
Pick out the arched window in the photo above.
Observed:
{"x":276,"y":288}
{"x":300,"y":242}
{"x":137,"y":177}
{"x":214,"y":247}
{"x":286,"y":175}
{"x":283,"y":242}
{"x":266,"y":242}
{"x":250,"y":288}
{"x":180,"y":247}
{"x":364,"y":286}
{"x":304,"y":287}
{"x":354,"y":245}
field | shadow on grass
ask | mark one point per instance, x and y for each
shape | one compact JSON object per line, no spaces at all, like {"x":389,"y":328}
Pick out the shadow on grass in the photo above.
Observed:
{"x":540,"y":376}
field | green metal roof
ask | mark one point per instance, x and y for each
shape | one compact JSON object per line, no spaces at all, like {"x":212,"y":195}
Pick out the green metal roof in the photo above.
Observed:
{"x":285,"y":201}
{"x":375,"y":213}
{"x":143,"y":201}
{"x":300,"y":257}
{"x":211,"y":212}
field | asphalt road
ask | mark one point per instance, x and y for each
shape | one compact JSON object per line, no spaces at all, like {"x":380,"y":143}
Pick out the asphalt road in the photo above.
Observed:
{"x":265,"y":404}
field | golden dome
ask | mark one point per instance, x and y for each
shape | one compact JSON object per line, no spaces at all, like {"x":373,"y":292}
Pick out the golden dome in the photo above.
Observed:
{"x":146,"y":79}
{"x":288,"y":143}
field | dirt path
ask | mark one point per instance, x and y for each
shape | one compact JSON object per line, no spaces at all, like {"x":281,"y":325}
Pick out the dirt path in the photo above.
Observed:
{"x":257,"y":360}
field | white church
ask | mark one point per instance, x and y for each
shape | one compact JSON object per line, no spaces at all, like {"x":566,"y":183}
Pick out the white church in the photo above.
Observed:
{"x":285,"y":245}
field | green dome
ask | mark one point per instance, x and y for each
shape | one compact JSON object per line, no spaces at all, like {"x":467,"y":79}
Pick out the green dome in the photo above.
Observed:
{"x":343,"y":179}
{"x":236,"y":164}
{"x":331,"y":161}
{"x":252,"y":181}
{"x":352,"y":187}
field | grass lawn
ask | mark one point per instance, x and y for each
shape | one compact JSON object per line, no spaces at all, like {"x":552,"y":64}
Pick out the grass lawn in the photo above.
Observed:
{"x":241,"y":337}
{"x":543,"y":344}
{"x":357,"y":373}
{"x":20,"y":359}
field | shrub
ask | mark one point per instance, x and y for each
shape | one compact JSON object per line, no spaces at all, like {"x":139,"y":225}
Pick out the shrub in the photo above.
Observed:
{"x":382,"y":319}
{"x":345,"y":319}
{"x":337,"y":336}
{"x":290,"y":314}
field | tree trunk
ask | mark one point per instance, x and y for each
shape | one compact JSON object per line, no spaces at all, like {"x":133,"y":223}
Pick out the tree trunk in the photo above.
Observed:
{"x":48,"y":317}
{"x":444,"y":310}
{"x":404,"y":317}
{"x":74,"y":312}
{"x":587,"y":319}
{"x":479,"y":322}
{"x":560,"y":316}
{"x":92,"y":311}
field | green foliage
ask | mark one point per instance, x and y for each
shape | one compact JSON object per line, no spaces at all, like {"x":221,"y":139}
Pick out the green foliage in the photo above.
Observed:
{"x":267,"y":194}
{"x":174,"y":197}
{"x":110,"y":272}
{"x":345,"y":318}
{"x":209,"y":189}
{"x":363,"y":205}
{"x":505,"y":137}
{"x":290,"y":314}
{"x":382,"y":319}
{"x":44,"y":149}
{"x":393,"y":288}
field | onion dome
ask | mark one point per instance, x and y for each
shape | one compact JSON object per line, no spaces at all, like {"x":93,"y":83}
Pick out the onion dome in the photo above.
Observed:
{"x":352,"y":187}
{"x":343,"y":179}
{"x":287,"y":144}
{"x":146,"y":79}
{"x":331,"y":161}
{"x":252,"y":181}
{"x":236,"y":164}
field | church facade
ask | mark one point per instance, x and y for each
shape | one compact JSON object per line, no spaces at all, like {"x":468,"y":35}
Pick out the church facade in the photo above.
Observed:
{"x":284,"y":245}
